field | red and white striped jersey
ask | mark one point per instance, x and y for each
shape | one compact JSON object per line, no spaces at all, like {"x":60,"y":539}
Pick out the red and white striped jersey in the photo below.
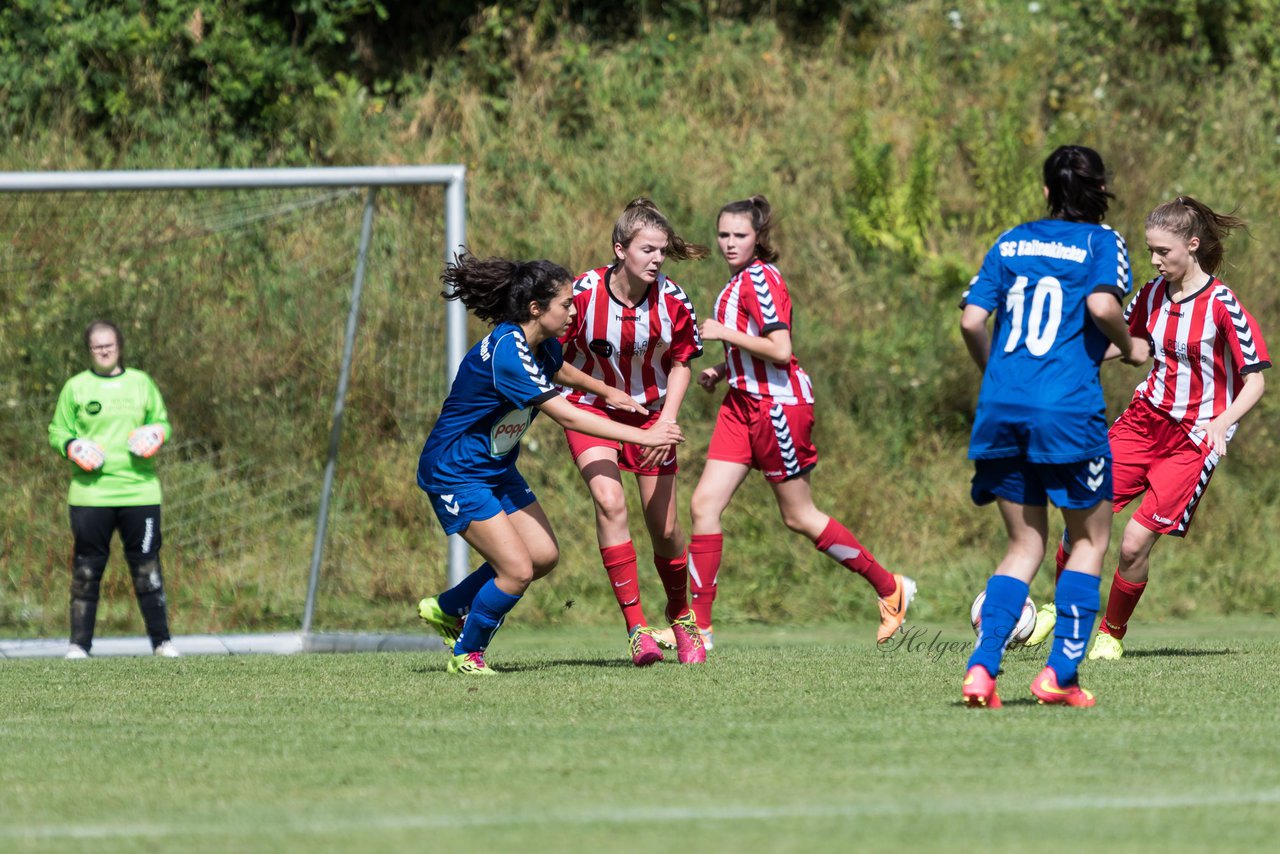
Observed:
{"x":1202,"y":347}
{"x":756,"y":301}
{"x":629,"y":348}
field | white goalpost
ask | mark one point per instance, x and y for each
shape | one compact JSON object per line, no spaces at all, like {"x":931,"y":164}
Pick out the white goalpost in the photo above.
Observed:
{"x":214,"y":479}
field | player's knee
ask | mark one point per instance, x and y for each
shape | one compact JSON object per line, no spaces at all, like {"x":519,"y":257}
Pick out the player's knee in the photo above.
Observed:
{"x":146,"y":576}
{"x":808,"y":521}
{"x":665,"y":534}
{"x":1132,"y":551}
{"x":704,"y":507}
{"x":611,"y":503}
{"x":543,"y":564}
{"x":794,"y":521}
{"x":86,"y":577}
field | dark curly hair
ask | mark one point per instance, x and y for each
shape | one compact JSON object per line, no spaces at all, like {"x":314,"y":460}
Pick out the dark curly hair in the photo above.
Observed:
{"x":497,"y":290}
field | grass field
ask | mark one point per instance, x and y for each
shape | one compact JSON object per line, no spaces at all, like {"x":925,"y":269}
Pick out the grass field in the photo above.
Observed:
{"x":787,"y":740}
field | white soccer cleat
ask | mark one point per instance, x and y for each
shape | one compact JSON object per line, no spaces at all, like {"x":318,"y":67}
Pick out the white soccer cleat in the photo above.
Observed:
{"x":166,"y":649}
{"x":75,"y":652}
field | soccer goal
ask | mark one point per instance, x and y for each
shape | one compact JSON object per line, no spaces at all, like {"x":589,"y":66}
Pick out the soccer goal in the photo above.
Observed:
{"x":292,"y":319}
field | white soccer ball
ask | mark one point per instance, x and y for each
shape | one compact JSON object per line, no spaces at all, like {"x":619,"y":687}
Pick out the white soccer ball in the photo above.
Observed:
{"x":1021,"y":632}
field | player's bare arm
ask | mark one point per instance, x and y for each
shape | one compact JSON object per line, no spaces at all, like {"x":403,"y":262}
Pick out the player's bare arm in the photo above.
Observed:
{"x":1108,"y":316}
{"x":775,"y":347}
{"x":678,"y":380}
{"x":1251,"y":392}
{"x":570,"y":417}
{"x":574,"y":378}
{"x":710,"y":377}
{"x":973,"y":328}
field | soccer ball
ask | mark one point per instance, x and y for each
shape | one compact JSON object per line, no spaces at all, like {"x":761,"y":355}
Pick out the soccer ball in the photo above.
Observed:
{"x":1021,"y":632}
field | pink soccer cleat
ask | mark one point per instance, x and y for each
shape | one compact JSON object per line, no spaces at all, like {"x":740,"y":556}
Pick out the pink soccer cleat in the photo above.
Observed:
{"x":1046,"y":689}
{"x":979,"y":689}
{"x":689,"y":646}
{"x":644,"y":647}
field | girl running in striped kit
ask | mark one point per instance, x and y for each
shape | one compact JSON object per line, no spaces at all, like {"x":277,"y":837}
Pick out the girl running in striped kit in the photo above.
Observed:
{"x":765,"y":421}
{"x":1209,"y":358}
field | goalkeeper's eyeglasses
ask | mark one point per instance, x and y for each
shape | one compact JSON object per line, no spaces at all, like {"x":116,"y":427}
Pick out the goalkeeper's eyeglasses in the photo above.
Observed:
{"x":102,"y":348}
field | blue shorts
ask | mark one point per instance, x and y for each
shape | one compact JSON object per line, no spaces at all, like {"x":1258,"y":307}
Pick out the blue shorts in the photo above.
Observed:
{"x":460,"y":507}
{"x":1070,"y":486}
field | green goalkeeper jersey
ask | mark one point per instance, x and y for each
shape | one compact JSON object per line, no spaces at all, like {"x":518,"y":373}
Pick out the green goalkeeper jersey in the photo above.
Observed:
{"x":105,"y":410}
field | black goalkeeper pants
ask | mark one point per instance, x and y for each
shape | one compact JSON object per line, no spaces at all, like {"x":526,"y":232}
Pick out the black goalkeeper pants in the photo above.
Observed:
{"x":92,"y":529}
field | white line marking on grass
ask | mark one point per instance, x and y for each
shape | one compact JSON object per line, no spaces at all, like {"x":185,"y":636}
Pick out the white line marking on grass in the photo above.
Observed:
{"x":293,"y":825}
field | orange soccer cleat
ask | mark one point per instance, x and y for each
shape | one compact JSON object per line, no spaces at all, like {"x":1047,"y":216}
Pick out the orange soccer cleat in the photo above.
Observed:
{"x":893,"y":608}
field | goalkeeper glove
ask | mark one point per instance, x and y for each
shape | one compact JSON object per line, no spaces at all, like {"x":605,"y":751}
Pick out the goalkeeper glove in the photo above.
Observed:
{"x":145,"y":441}
{"x":88,"y":455}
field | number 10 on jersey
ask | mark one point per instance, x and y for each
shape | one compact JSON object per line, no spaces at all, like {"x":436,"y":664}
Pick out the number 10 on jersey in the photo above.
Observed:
{"x":1041,"y":330}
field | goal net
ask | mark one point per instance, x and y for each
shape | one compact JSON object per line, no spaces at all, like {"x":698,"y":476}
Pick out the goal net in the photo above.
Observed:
{"x":290,"y":501}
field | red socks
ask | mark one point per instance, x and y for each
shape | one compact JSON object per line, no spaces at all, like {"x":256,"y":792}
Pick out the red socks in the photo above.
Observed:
{"x":1060,"y":560}
{"x":620,"y":563}
{"x":674,"y":572}
{"x":843,"y":547}
{"x":705,"y":551}
{"x":1122,"y":600}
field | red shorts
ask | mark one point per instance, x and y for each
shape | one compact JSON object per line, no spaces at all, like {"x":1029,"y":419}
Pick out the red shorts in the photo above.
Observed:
{"x":773,"y":437}
{"x":1153,"y":455}
{"x":628,"y":454}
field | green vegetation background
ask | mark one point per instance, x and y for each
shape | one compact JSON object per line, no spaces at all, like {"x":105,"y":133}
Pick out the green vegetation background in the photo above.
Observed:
{"x":896,"y":141}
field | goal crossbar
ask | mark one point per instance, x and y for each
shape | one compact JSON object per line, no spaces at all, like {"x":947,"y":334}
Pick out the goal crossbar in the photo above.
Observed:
{"x":451,"y":176}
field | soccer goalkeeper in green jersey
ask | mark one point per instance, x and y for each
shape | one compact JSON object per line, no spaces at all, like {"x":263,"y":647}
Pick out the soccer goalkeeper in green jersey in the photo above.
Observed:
{"x":110,"y":423}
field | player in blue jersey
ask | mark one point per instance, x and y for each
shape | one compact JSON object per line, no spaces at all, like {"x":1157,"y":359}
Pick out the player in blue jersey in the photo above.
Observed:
{"x":1040,"y":433}
{"x":468,"y":464}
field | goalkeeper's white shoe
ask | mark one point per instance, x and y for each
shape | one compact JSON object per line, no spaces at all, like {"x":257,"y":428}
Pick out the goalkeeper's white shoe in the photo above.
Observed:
{"x":1046,"y":619}
{"x":166,"y":649}
{"x":75,"y":652}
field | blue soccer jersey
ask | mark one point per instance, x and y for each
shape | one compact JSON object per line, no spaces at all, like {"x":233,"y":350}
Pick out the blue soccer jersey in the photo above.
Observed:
{"x":1041,"y":397}
{"x":476,"y":439}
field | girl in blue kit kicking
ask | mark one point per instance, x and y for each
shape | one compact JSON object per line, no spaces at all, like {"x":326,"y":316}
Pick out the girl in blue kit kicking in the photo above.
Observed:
{"x":468,"y":464}
{"x":1040,"y":432}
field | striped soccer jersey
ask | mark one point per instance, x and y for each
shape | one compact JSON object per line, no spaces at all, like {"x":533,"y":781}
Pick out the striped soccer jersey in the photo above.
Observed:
{"x":756,"y":301}
{"x":631,"y":348}
{"x":1202,"y":347}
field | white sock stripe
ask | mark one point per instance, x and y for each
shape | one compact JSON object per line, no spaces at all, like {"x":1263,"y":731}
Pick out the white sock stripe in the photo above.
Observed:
{"x":693,"y":572}
{"x":840,"y":553}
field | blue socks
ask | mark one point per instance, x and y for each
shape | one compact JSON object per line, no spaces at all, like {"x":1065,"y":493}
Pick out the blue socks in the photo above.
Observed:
{"x":488,"y":610}
{"x":457,"y":600}
{"x":1077,"y":601}
{"x":1000,"y":614}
